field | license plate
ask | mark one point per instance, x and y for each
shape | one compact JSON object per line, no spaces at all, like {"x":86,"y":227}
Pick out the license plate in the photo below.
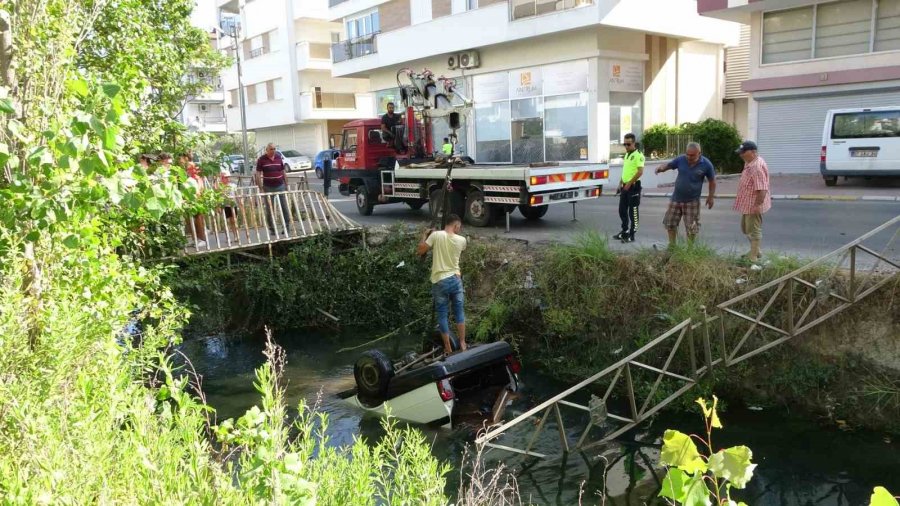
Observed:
{"x":563,"y":195}
{"x":863,"y":153}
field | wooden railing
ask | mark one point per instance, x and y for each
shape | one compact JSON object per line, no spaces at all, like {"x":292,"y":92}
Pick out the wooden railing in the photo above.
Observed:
{"x":745,"y":326}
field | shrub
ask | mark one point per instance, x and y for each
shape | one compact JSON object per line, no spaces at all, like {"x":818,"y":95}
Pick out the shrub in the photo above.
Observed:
{"x":719,"y":140}
{"x":653,"y":142}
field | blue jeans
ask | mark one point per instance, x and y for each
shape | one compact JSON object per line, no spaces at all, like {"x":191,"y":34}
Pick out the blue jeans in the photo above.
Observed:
{"x":284,"y":208}
{"x":446,"y":292}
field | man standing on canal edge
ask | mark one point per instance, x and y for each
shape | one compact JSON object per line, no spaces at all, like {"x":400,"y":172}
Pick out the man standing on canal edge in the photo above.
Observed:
{"x":446,"y":280}
{"x":753,"y":198}
{"x":692,"y":169}
{"x":630,"y":189}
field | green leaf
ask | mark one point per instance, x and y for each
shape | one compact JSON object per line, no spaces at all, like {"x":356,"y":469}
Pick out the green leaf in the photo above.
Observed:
{"x":111,"y":90}
{"x":97,"y":126}
{"x":6,"y":106}
{"x":710,"y":413}
{"x":78,"y":86}
{"x":32,"y":236}
{"x":881,"y":497}
{"x":109,"y":138}
{"x":71,"y":241}
{"x":673,"y":485}
{"x":696,"y":492}
{"x":680,"y":451}
{"x":734,"y":465}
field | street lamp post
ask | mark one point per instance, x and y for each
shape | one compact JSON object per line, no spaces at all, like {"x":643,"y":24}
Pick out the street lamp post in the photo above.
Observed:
{"x":234,"y":32}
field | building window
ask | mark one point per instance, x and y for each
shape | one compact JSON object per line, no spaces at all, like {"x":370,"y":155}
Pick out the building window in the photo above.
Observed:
{"x":266,"y":91}
{"x":624,"y":117}
{"x":527,"y":8}
{"x":471,"y":5}
{"x":233,"y":98}
{"x":492,"y":132}
{"x":366,"y":24}
{"x":846,"y":27}
{"x":420,"y":11}
{"x":566,"y":127}
{"x":261,"y":44}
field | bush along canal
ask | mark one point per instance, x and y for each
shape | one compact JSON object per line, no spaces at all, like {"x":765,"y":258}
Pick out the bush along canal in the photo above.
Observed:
{"x":821,"y":413}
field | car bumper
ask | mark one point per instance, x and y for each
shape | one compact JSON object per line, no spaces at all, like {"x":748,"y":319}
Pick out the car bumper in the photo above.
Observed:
{"x":422,"y":405}
{"x":859,"y":173}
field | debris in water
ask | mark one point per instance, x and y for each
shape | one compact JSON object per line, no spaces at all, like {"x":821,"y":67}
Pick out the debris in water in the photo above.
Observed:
{"x":401,"y":264}
{"x":616,"y":352}
{"x":754,"y":408}
{"x":740,"y":281}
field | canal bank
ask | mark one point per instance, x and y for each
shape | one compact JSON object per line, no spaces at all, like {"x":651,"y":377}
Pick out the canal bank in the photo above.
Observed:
{"x":569,"y":310}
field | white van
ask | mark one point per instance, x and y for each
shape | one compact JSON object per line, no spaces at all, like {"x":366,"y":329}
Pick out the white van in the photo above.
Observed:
{"x":861,"y":142}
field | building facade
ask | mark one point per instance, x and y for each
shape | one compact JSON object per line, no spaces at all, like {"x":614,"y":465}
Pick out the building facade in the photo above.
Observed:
{"x":291,"y":98}
{"x":205,"y":112}
{"x":550,"y":80}
{"x":806,"y":57}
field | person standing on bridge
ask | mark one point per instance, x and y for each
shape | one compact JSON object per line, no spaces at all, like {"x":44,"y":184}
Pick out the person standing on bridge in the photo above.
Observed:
{"x":753,"y":198}
{"x":630,"y":189}
{"x":446,"y":279}
{"x":692,"y":169}
{"x":270,"y":178}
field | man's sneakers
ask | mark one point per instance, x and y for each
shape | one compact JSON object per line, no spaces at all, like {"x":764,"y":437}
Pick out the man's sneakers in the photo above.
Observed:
{"x":624,"y":237}
{"x":628,"y":238}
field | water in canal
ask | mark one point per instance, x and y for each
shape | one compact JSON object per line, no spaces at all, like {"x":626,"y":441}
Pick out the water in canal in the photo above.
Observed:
{"x":800,"y":462}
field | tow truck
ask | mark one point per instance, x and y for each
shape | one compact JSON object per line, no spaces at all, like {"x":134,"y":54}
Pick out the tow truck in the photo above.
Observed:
{"x":385,"y":167}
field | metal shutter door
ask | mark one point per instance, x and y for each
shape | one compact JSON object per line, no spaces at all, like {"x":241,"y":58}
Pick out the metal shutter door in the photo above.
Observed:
{"x":790,"y":129}
{"x":305,"y":139}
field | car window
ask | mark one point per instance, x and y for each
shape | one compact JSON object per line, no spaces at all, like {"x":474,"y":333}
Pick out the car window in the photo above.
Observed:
{"x":290,"y":153}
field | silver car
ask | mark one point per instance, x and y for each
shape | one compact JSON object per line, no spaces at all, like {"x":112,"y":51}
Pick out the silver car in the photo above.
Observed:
{"x":295,"y":161}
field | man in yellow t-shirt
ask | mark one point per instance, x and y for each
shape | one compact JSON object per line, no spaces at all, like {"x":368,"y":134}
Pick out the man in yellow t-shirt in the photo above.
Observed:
{"x":630,"y":189}
{"x":447,"y":148}
{"x":446,"y":280}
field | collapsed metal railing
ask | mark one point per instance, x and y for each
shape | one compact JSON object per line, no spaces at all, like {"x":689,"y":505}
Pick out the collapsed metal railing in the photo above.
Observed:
{"x":745,"y":326}
{"x":250,"y":218}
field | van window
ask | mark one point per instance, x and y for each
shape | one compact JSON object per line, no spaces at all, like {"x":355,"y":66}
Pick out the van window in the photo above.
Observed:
{"x":863,"y":124}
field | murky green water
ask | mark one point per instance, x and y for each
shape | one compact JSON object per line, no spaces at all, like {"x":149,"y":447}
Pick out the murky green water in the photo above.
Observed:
{"x":800,"y":462}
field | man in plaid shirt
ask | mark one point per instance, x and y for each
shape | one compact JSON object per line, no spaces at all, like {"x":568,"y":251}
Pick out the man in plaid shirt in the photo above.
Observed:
{"x":753,"y":198}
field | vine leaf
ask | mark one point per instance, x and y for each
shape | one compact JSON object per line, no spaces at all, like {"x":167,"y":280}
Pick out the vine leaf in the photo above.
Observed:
{"x":734,"y":465}
{"x":696,"y":493}
{"x":710,"y":413}
{"x":881,"y":497}
{"x":681,"y":452}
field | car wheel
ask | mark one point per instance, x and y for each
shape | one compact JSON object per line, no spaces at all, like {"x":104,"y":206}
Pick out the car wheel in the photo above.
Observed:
{"x":373,"y":372}
{"x":478,"y":212}
{"x":364,"y":201}
{"x":533,"y":213}
{"x":319,"y":173}
{"x":831,"y":181}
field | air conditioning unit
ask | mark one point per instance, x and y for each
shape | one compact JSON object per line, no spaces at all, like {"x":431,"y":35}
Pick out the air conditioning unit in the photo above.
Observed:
{"x":469,"y":60}
{"x":204,"y":107}
{"x":453,"y":62}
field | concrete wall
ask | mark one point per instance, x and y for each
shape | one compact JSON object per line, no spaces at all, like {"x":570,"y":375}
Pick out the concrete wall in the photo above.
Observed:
{"x":394,"y":15}
{"x":700,"y":82}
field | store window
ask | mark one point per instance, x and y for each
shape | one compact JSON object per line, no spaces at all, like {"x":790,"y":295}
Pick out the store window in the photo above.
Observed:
{"x":492,"y":132}
{"x":624,"y":117}
{"x":566,"y":127}
{"x":527,"y":133}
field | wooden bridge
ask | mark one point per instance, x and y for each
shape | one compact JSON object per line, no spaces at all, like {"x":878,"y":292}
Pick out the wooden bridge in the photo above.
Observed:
{"x":252,"y":219}
{"x":741,"y":328}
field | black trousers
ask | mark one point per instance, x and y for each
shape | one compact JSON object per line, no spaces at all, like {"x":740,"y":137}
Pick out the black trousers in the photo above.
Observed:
{"x":629,"y":202}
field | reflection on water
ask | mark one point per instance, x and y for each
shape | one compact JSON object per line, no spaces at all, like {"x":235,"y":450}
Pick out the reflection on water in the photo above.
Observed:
{"x":800,"y":463}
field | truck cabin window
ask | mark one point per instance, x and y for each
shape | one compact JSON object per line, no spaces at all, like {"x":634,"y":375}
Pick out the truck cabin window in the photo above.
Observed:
{"x":375,"y":136}
{"x":349,"y":144}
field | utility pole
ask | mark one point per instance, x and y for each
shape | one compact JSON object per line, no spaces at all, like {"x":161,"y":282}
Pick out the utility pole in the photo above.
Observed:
{"x":234,"y":32}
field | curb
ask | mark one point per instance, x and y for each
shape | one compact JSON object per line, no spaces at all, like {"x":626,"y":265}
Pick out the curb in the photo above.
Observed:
{"x":836,"y":198}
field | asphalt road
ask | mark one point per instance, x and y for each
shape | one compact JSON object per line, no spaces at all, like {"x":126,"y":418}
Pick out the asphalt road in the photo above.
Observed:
{"x":796,"y":227}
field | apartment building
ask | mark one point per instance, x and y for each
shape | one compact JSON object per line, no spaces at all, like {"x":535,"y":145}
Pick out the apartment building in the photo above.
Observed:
{"x":206,"y":112}
{"x":805,"y":57}
{"x":291,"y":98}
{"x":551,"y":80}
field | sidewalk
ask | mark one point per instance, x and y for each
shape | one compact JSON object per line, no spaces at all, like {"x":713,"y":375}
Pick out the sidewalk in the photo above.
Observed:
{"x":803,"y":187}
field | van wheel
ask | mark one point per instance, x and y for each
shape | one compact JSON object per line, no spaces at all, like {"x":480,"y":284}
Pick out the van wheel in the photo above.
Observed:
{"x":831,"y":181}
{"x":533,"y":213}
{"x":363,"y":201}
{"x":373,"y":372}
{"x":478,"y":212}
{"x":436,"y":203}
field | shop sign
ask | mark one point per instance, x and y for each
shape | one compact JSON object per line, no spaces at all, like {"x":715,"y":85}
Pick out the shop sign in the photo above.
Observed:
{"x":524,"y":83}
{"x":626,"y":76}
{"x":490,"y":87}
{"x":562,"y":78}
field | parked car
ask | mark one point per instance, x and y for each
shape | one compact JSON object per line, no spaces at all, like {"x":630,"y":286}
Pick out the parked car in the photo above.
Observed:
{"x":294,"y":160}
{"x":233,"y":163}
{"x":860,"y":142}
{"x":438,"y":391}
{"x":323,"y":155}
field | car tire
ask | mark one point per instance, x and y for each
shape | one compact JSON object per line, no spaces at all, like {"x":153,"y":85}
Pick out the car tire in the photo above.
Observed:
{"x":364,"y":201}
{"x":373,"y":372}
{"x":533,"y":213}
{"x":319,"y":173}
{"x":436,"y":202}
{"x":478,"y":212}
{"x":831,"y":181}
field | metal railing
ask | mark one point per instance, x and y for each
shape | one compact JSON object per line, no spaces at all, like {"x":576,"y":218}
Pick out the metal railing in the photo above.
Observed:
{"x":354,"y":48}
{"x":745,"y":326}
{"x":252,"y":218}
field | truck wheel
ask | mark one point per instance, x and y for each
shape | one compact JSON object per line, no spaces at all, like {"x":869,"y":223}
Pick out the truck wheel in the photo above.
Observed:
{"x":533,"y":213}
{"x":415,"y":205}
{"x":436,"y":202}
{"x":363,"y":201}
{"x":478,"y":212}
{"x":373,"y":372}
{"x":831,"y":181}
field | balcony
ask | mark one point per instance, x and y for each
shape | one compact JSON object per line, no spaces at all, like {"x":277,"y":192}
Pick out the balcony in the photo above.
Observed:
{"x":325,"y":105}
{"x":313,"y":56}
{"x":354,"y":48}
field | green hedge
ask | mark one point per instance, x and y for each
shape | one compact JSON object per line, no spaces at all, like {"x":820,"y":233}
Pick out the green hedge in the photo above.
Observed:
{"x":718,"y":139}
